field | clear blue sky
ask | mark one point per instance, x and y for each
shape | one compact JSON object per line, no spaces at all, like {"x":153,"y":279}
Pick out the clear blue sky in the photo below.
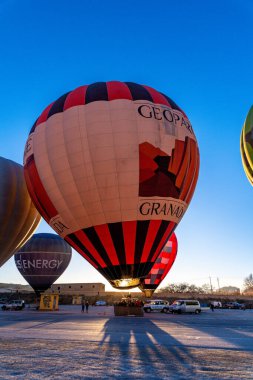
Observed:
{"x":197,"y":52}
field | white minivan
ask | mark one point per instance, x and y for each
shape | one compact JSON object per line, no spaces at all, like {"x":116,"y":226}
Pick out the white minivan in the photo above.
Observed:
{"x":184,"y":306}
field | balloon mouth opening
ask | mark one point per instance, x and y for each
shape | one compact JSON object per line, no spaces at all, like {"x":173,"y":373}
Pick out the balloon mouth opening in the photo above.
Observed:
{"x":126,"y":283}
{"x":148,"y":292}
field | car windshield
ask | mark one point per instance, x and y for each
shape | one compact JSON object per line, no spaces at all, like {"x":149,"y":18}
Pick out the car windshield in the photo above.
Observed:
{"x":177,"y":303}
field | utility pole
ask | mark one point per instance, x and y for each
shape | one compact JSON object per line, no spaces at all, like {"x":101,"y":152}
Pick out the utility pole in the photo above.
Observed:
{"x":218,"y":281}
{"x":211,"y":284}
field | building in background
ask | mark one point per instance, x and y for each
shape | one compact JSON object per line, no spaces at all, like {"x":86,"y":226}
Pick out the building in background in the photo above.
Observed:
{"x":233,"y":290}
{"x":79,"y":289}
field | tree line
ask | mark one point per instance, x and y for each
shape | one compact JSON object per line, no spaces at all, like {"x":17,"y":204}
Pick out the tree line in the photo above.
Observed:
{"x":185,"y":287}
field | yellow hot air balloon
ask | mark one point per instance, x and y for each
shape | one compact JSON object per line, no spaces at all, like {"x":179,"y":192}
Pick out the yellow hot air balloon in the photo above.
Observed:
{"x":18,"y":216}
{"x":246,"y":146}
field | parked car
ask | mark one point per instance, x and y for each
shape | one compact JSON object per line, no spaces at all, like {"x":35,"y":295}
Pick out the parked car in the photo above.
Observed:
{"x":14,"y":305}
{"x":3,"y":301}
{"x":184,"y":306}
{"x":155,"y":305}
{"x":100,"y":303}
{"x":234,"y":305}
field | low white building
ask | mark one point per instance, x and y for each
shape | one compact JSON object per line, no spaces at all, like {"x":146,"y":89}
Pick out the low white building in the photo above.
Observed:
{"x":79,"y":289}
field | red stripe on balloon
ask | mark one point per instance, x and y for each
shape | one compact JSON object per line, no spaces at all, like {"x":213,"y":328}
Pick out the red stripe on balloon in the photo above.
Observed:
{"x":39,"y":190}
{"x":129,"y":232}
{"x":75,"y":98}
{"x":43,"y":117}
{"x":118,"y":90}
{"x":79,"y":250}
{"x":153,"y":229}
{"x":157,"y":97}
{"x":174,"y":244}
{"x":33,"y":195}
{"x":106,"y":239}
{"x":80,"y":235}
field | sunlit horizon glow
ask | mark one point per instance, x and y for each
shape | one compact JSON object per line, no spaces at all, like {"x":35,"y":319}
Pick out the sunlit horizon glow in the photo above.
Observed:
{"x":199,"y":54}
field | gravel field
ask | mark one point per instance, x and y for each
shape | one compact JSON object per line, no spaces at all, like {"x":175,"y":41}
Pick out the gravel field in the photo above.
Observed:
{"x":71,"y":345}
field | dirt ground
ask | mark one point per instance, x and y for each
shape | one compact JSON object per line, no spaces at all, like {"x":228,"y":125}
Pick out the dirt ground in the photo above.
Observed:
{"x":72,"y":345}
{"x":28,"y":359}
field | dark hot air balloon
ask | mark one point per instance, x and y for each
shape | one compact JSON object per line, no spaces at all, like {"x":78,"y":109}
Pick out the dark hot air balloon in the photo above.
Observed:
{"x":112,"y":168}
{"x":42,"y":260}
{"x":161,"y":267}
{"x":18,"y":216}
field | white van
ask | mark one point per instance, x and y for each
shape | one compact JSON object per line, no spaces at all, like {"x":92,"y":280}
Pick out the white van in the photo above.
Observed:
{"x":184,"y":306}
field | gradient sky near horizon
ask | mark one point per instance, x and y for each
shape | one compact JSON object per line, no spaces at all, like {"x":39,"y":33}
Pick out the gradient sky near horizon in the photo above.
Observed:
{"x":199,"y":53}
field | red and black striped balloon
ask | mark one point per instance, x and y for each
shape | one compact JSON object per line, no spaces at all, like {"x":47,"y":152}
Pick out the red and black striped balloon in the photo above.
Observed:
{"x":161,"y":268}
{"x":112,"y":168}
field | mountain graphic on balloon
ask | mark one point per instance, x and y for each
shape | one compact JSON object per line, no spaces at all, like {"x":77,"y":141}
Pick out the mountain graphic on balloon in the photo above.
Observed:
{"x":160,"y":174}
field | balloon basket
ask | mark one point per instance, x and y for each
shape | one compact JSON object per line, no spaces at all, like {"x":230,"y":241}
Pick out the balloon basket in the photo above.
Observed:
{"x":49,"y":302}
{"x":120,"y":311}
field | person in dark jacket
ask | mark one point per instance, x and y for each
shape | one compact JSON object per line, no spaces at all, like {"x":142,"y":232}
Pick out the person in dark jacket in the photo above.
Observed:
{"x":87,"y":306}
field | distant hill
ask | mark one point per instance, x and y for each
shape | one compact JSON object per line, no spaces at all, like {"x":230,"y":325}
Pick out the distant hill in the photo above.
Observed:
{"x":15,"y":286}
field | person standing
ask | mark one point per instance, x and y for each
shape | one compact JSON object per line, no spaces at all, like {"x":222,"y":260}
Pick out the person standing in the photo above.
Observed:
{"x":82,"y":306}
{"x":87,"y":306}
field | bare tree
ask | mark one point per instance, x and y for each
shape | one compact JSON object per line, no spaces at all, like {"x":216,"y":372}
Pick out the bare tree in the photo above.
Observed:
{"x":248,"y":283}
{"x":206,"y":289}
{"x":183,"y":287}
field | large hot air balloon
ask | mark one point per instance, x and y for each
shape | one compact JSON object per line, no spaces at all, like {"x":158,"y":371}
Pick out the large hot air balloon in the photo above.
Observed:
{"x":18,"y":216}
{"x":246,"y":146}
{"x":161,"y":267}
{"x":112,"y":168}
{"x":42,"y":260}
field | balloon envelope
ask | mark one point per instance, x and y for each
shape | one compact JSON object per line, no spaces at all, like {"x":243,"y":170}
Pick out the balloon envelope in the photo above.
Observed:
{"x":18,"y":215}
{"x":246,"y":146}
{"x":42,"y":260}
{"x":161,"y":267}
{"x":112,"y":168}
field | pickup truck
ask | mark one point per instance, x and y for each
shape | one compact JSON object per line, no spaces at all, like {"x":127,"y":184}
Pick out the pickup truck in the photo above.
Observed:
{"x":155,"y":305}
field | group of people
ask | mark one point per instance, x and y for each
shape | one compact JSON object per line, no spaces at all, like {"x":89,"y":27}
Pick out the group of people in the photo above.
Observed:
{"x":130,"y":302}
{"x":85,"y":304}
